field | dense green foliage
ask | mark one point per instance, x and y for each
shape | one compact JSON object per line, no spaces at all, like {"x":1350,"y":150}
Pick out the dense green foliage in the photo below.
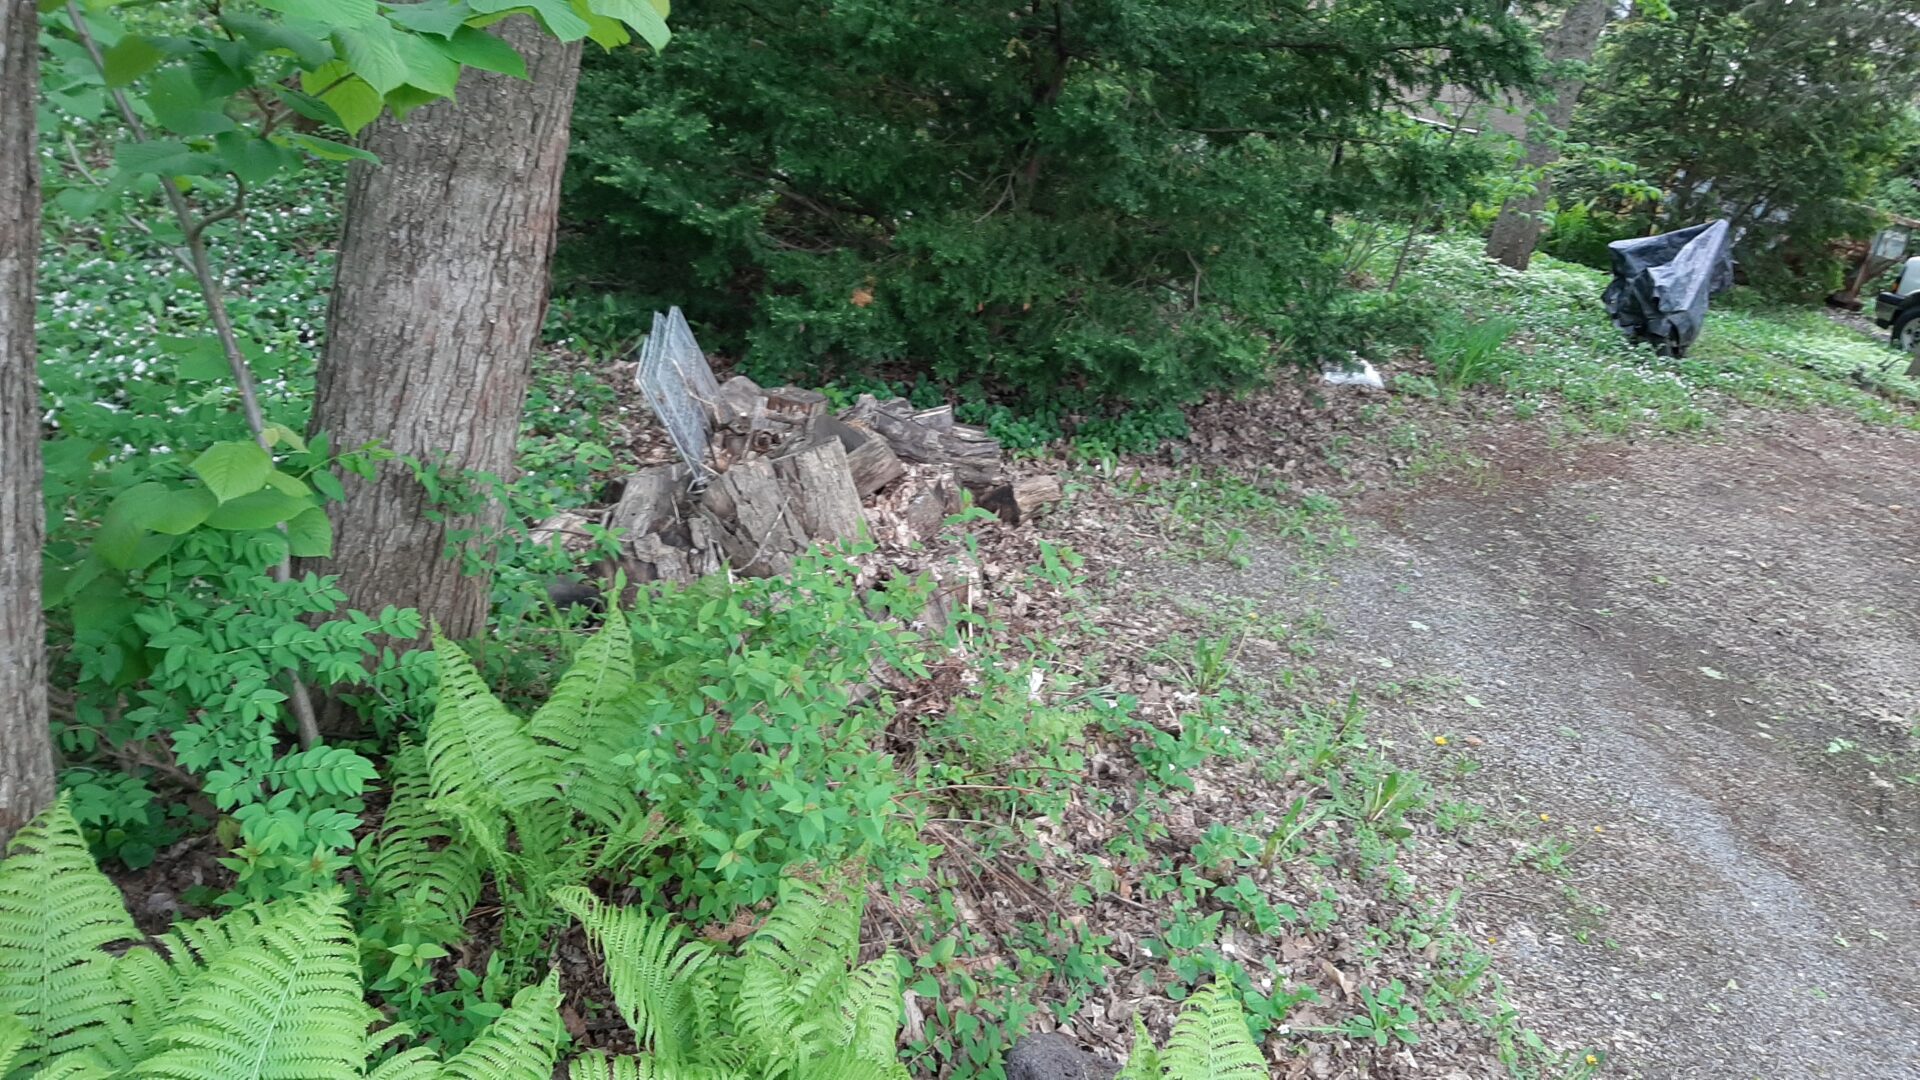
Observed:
{"x":1126,"y":197}
{"x":1785,"y":118}
{"x":698,"y":749}
{"x":273,"y":990}
{"x":178,"y":636}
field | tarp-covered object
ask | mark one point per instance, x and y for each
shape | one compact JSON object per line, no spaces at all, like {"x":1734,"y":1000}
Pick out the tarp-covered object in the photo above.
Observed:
{"x":1661,"y":284}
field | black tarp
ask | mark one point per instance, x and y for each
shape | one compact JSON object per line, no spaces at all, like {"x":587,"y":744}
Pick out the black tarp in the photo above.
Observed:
{"x":1661,"y":284}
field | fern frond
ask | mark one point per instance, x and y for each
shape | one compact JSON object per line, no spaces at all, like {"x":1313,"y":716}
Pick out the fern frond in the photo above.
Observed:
{"x":651,"y":969}
{"x":58,"y":913}
{"x":522,"y":1043}
{"x":426,"y":876}
{"x":769,"y":1014}
{"x":475,"y":747}
{"x":846,"y":1065}
{"x":152,"y":986}
{"x":79,"y":1065}
{"x":419,"y":1063}
{"x":191,"y":947}
{"x":1143,"y":1061}
{"x":812,"y":936}
{"x":601,"y":671}
{"x":283,"y":1001}
{"x":1210,"y":1040}
{"x":872,"y":1004}
{"x":603,"y":793}
{"x":599,"y":1065}
{"x":13,"y":1039}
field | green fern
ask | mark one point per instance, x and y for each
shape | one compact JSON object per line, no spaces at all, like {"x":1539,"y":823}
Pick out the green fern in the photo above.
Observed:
{"x":522,"y":1043}
{"x":58,"y":913}
{"x":13,"y":1039}
{"x":791,"y":1004}
{"x":602,"y":671}
{"x":598,"y":1065}
{"x":476,"y":748}
{"x":652,"y":970}
{"x":423,"y":876}
{"x":80,"y":1066}
{"x":1143,"y":1061}
{"x":1210,"y":1041}
{"x":871,"y":1010}
{"x":280,"y":1001}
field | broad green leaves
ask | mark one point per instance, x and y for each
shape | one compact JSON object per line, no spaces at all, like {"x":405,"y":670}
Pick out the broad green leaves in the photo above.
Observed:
{"x":648,"y":21}
{"x":353,"y":59}
{"x":233,"y":469}
{"x":240,"y":490}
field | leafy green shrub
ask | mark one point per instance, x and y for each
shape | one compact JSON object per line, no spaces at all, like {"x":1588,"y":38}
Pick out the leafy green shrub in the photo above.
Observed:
{"x":743,"y":730}
{"x":1134,"y":199}
{"x":700,"y":745}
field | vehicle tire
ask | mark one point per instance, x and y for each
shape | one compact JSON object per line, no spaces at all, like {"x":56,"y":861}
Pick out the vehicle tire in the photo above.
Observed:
{"x":1904,"y":334}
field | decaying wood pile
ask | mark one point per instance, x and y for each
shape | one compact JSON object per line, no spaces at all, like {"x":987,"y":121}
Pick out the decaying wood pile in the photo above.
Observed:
{"x":767,"y":472}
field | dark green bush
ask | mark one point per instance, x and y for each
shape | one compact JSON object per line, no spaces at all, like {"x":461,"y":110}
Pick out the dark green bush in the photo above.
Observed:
{"x":1131,"y":199}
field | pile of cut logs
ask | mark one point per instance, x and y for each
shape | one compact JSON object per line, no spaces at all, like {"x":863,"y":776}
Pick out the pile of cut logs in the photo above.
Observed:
{"x":780,"y":471}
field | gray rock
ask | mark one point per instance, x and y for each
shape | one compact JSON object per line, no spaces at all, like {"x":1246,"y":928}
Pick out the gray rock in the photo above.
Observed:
{"x":1055,"y":1057}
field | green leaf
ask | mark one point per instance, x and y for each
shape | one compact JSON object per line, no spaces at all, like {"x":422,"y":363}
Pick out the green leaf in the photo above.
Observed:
{"x":252,"y":159}
{"x":328,"y":485}
{"x":129,"y":58}
{"x":555,"y":15}
{"x":260,"y":510}
{"x":478,"y":49}
{"x":639,"y":14}
{"x":278,"y":434}
{"x":609,"y":34}
{"x":310,"y":534}
{"x":307,"y":105}
{"x":165,"y":157}
{"x":373,"y":53}
{"x":182,"y":107}
{"x":287,"y":484}
{"x":270,"y":36}
{"x":405,"y":99}
{"x":428,"y":66}
{"x":117,"y":541}
{"x":441,"y":18}
{"x":233,"y":469}
{"x":329,"y":150}
{"x":327,"y":12}
{"x":163,"y":509}
{"x":355,"y":103}
{"x":201,"y":359}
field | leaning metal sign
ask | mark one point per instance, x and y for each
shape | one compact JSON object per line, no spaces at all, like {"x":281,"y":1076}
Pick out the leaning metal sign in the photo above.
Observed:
{"x":681,"y":388}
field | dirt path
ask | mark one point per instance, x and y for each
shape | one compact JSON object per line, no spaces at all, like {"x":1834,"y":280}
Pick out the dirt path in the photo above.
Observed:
{"x":1661,"y":644}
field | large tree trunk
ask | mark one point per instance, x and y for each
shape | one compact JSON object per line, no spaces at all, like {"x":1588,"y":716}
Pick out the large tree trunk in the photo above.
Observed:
{"x":437,"y":303}
{"x":1517,"y":229}
{"x":26,"y":753}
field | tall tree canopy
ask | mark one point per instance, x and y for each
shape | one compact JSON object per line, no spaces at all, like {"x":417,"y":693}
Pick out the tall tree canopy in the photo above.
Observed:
{"x":1780,"y":116}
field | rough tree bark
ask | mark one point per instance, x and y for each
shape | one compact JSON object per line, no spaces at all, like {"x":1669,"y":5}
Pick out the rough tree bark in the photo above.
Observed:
{"x":26,"y":751}
{"x":437,"y":302}
{"x":1517,"y":229}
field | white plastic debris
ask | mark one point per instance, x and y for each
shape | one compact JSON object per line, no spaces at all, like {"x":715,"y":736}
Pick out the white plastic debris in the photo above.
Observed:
{"x":1362,"y":375}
